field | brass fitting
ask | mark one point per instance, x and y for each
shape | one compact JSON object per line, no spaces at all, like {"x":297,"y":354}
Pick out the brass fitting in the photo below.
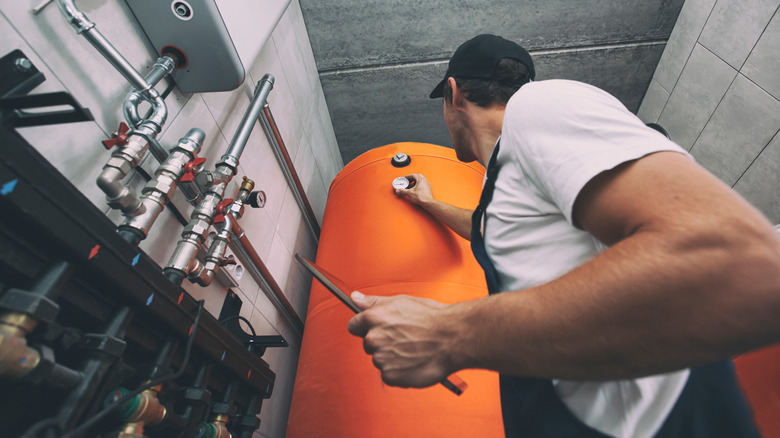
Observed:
{"x":216,"y":429}
{"x":16,"y":358}
{"x":247,"y":185}
{"x":142,"y":410}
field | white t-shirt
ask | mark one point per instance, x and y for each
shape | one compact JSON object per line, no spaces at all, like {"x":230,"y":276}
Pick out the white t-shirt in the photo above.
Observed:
{"x":557,"y":135}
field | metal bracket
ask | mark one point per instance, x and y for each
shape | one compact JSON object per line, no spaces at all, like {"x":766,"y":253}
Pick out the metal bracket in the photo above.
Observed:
{"x":11,"y":110}
{"x":103,"y":343}
{"x":18,"y":76}
{"x":256,"y":344}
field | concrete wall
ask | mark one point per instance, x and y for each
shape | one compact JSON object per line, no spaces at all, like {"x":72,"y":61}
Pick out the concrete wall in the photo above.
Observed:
{"x":379,"y":60}
{"x":716,"y":90}
{"x":277,"y":231}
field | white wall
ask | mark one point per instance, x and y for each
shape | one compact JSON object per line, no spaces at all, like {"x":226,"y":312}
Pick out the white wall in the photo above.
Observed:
{"x":716,"y":90}
{"x":276,"y":231}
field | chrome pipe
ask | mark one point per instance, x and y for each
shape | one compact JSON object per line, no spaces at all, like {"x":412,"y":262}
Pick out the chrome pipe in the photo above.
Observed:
{"x":247,"y":123}
{"x":288,"y":169}
{"x":119,"y":166}
{"x":162,"y":187}
{"x":184,"y":259}
{"x":205,"y":272}
{"x":84,"y":27}
{"x":162,"y":67}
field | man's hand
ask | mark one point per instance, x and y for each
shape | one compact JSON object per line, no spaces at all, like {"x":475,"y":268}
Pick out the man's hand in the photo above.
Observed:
{"x":406,"y":337}
{"x":455,"y":218}
{"x":419,"y":191}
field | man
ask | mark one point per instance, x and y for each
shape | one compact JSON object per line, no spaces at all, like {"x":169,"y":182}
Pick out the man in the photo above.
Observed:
{"x":621,"y":274}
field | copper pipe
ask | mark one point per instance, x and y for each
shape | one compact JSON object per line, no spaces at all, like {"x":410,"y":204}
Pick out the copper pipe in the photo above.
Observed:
{"x":283,"y":156}
{"x":264,"y":278}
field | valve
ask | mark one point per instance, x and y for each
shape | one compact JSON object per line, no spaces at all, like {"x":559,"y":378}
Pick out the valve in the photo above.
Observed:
{"x":117,"y":138}
{"x":221,"y":209}
{"x":228,"y":261}
{"x":192,"y":168}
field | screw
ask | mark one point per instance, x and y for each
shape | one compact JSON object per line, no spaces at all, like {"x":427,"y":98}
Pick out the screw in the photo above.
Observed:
{"x":23,"y":65}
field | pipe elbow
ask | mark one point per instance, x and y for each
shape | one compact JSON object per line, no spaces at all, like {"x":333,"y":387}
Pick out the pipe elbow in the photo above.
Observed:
{"x":202,"y":274}
{"x":109,"y":181}
{"x":130,"y":109}
{"x":75,"y":18}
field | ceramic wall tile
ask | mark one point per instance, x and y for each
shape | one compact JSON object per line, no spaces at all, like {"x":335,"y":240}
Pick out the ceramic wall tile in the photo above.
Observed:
{"x":759,"y":185}
{"x":745,"y":121}
{"x":261,"y":166}
{"x":734,"y":27}
{"x":294,"y":67}
{"x":320,"y":148}
{"x":327,"y":139}
{"x":654,"y":102}
{"x":683,"y":38}
{"x":228,"y":107}
{"x":701,"y":86}
{"x":279,"y":261}
{"x":250,"y":24}
{"x":290,"y":221}
{"x":763,"y":64}
{"x":280,"y":100}
{"x":304,"y":43}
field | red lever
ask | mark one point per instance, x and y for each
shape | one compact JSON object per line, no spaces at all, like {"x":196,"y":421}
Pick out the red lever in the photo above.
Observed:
{"x":221,"y":208}
{"x":189,"y":174}
{"x":117,"y":138}
{"x":227,"y":261}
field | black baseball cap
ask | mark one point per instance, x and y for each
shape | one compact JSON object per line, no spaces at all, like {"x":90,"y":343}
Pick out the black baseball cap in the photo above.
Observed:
{"x":477,"y":58}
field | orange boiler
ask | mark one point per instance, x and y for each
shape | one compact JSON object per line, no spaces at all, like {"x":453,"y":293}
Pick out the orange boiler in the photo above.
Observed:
{"x":380,"y":244}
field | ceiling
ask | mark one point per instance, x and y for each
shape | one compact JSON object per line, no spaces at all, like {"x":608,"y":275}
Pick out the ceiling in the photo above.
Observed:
{"x":379,"y":59}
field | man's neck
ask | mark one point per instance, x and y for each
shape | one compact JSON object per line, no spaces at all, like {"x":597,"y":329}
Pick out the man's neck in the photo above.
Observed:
{"x":487,"y":130}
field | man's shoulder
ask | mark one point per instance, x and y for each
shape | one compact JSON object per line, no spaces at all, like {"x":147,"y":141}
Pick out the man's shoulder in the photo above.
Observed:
{"x":553,"y":88}
{"x":562,"y":97}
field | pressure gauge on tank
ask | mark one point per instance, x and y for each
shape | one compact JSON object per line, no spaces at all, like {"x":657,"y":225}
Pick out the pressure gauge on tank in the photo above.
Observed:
{"x":401,"y":183}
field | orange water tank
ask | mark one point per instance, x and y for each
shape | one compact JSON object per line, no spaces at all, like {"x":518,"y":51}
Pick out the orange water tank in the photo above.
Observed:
{"x":382,"y":245}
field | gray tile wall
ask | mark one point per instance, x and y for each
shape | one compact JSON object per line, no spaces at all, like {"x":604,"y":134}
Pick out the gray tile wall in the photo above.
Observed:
{"x":270,"y":38}
{"x":716,"y":90}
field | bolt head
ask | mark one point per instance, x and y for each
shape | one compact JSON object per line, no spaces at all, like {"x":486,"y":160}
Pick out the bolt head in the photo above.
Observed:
{"x":23,"y":65}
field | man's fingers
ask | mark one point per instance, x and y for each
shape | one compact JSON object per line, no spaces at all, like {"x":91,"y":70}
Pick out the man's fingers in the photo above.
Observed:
{"x":363,"y":301}
{"x":357,"y":325}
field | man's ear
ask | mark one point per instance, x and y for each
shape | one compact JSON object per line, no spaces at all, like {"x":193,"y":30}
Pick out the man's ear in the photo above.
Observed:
{"x":457,"y":95}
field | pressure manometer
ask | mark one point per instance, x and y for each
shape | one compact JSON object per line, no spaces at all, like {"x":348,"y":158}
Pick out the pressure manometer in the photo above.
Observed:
{"x":401,"y":183}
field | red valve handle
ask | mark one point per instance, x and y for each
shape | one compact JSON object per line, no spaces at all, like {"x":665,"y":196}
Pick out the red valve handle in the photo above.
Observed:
{"x":117,"y":138}
{"x":189,"y":173}
{"x":221,"y":208}
{"x":226,"y":261}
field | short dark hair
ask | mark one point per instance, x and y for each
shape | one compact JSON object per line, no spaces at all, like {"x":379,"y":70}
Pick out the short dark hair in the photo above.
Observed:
{"x":508,"y":76}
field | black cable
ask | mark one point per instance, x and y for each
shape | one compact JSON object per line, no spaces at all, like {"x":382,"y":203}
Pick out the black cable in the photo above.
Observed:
{"x":49,"y":423}
{"x":127,"y":397}
{"x":239,"y":317}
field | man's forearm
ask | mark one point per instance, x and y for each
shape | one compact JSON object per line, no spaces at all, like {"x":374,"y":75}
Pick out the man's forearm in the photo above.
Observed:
{"x":455,"y":218}
{"x":644,"y":306}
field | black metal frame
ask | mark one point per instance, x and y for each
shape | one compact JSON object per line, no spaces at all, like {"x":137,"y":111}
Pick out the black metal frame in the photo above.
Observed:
{"x":45,"y":218}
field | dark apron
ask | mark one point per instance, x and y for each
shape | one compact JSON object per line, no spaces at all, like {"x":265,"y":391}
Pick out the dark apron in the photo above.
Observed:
{"x":710,"y":405}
